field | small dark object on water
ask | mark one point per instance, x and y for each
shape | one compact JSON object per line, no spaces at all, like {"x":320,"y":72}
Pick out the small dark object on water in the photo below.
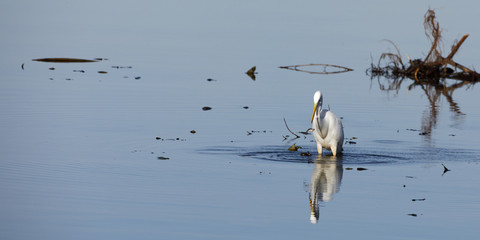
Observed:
{"x":159,"y":138}
{"x":424,"y":133}
{"x":52,"y":68}
{"x":117,"y":67}
{"x":351,"y":142}
{"x":245,"y":107}
{"x":305,"y":154}
{"x":211,"y":79}
{"x":445,"y":169}
{"x":206,"y":108}
{"x":193,"y":132}
{"x":251,"y":73}
{"x":412,"y":214}
{"x":411,"y":129}
{"x":163,"y":158}
{"x":418,"y":199}
{"x":81,"y":71}
{"x":294,"y":147}
{"x":137,"y":78}
{"x":63,"y":60}
{"x":348,"y":168}
{"x":102,"y":72}
{"x":23,"y":65}
{"x":361,"y":169}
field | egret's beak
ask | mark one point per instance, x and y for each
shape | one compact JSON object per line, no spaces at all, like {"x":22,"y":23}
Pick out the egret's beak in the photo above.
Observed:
{"x":314,"y":110}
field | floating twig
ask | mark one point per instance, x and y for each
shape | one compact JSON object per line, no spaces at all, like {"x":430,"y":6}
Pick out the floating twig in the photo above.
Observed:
{"x":289,"y":128}
{"x":296,"y":68}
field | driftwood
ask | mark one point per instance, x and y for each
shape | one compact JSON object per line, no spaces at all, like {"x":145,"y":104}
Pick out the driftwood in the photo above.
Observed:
{"x":431,"y":74}
{"x":433,"y":68}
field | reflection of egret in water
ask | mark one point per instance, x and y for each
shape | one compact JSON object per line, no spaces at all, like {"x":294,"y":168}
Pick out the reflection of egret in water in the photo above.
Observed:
{"x":434,"y":90}
{"x":325,"y":182}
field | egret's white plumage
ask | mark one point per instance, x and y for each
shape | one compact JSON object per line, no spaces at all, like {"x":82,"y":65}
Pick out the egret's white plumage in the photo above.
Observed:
{"x":327,"y":127}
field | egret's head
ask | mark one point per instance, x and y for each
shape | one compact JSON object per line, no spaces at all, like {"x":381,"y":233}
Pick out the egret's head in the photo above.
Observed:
{"x":318,"y":98}
{"x":317,"y":102}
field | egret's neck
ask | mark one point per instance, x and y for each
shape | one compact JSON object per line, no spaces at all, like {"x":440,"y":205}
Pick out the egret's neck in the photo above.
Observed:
{"x":322,"y":124}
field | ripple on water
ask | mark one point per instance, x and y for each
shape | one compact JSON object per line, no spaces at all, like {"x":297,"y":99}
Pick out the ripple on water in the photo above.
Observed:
{"x":355,"y":155}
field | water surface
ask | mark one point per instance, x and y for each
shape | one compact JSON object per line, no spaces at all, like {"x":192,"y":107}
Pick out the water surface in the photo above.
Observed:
{"x":84,"y":145}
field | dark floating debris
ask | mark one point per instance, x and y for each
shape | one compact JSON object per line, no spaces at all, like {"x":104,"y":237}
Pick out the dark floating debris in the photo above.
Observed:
{"x":362,"y":169}
{"x":80,"y":71}
{"x":193,"y":132}
{"x":254,"y":131}
{"x":245,"y":107}
{"x":445,"y":169}
{"x":63,"y":60}
{"x":348,"y":168}
{"x":293,"y":148}
{"x":102,"y":72}
{"x":337,"y":69}
{"x":170,"y":139}
{"x":137,"y":78}
{"x":251,"y":73}
{"x":206,"y":108}
{"x":163,"y":158}
{"x":118,"y":67}
{"x":210,"y":80}
{"x":413,"y":215}
{"x":307,"y":154}
{"x":52,"y":68}
{"x":23,"y":64}
{"x":433,"y":69}
{"x":418,"y":199}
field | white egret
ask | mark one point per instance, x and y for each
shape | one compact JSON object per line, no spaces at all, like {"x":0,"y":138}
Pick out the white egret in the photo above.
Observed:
{"x":327,"y":127}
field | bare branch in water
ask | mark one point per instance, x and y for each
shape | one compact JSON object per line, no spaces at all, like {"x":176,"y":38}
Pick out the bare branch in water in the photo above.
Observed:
{"x":289,"y":128}
{"x":299,"y":66}
{"x":433,"y":68}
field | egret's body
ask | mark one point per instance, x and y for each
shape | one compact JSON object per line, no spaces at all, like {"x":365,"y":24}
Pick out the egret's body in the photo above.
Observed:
{"x":327,"y":127}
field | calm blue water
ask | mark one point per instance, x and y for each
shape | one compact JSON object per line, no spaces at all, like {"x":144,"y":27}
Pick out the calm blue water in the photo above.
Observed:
{"x":80,"y":149}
